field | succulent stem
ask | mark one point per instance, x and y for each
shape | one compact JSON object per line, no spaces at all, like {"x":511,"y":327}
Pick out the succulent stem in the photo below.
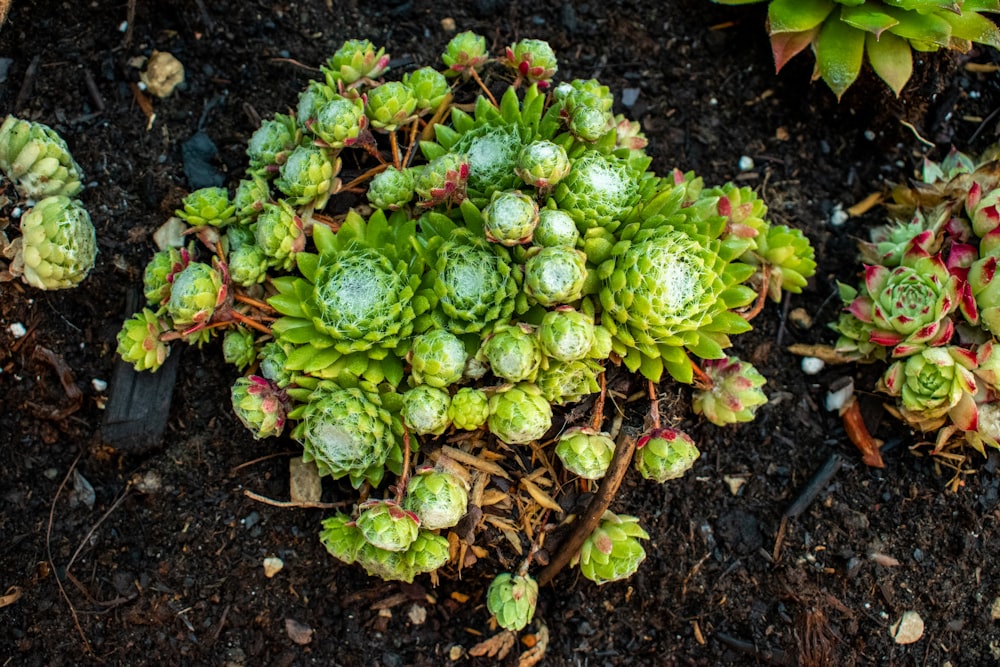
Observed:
{"x":377,"y":169}
{"x":758,"y":305}
{"x":394,"y":142}
{"x":252,"y":323}
{"x":475,"y":76}
{"x":404,"y":476}
{"x":260,"y":305}
{"x":412,"y":142}
{"x":701,"y":379}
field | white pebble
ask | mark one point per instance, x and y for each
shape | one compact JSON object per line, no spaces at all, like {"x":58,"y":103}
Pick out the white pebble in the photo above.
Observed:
{"x":869,"y":135}
{"x":17,"y":330}
{"x":123,"y":26}
{"x":908,"y":629}
{"x":837,"y":397}
{"x":812,"y":365}
{"x":838,"y":216}
{"x":745,"y":163}
{"x":272,"y":565}
{"x":99,"y":384}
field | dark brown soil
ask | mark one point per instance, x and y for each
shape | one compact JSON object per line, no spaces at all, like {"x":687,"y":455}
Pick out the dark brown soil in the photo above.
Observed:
{"x":165,"y":567}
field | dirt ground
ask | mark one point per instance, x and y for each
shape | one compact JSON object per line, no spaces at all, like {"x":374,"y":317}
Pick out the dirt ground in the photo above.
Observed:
{"x":162,"y":563}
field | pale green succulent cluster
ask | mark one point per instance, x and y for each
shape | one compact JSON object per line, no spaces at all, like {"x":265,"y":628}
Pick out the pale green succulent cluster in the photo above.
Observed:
{"x":478,"y":295}
{"x":842,"y":32}
{"x":58,"y":245}
{"x":929,"y":301}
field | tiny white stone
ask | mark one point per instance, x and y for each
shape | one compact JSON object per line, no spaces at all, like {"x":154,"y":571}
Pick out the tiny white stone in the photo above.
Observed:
{"x":713,"y":102}
{"x":17,"y":330}
{"x":837,"y":398}
{"x":123,"y":26}
{"x":869,"y":135}
{"x":16,"y":213}
{"x":745,"y":163}
{"x":812,"y":365}
{"x":908,"y":629}
{"x":99,"y":384}
{"x":838,"y":216}
{"x":272,"y":565}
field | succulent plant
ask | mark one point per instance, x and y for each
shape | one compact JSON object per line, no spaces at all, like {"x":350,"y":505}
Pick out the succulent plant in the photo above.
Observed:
{"x":438,"y":358}
{"x":386,"y":525}
{"x":555,"y":228}
{"x":841,"y":32}
{"x":439,"y":498}
{"x":342,"y":538}
{"x":735,"y":393}
{"x":309,"y":176}
{"x":612,"y":552}
{"x":58,"y":245}
{"x":555,"y":275}
{"x":665,"y":453}
{"x":598,"y":190}
{"x":272,"y":359}
{"x":313,"y":98}
{"x":260,"y":405}
{"x":279,"y":233}
{"x":390,"y":105}
{"x":251,"y":195}
{"x":533,"y":60}
{"x":207,"y":206}
{"x":139,"y":341}
{"x":429,"y":87}
{"x":566,"y":334}
{"x":513,"y":352}
{"x":426,"y":553}
{"x":159,"y":274}
{"x":37,"y":160}
{"x":271,"y":144}
{"x":195,"y":294}
{"x":466,"y":53}
{"x":355,"y":60}
{"x":510,"y":218}
{"x":519,"y":414}
{"x":391,"y":189}
{"x":585,"y":452}
{"x":442,"y":180}
{"x":238,"y":347}
{"x":248,"y":265}
{"x":346,"y":432}
{"x":788,"y":256}
{"x":339,"y":122}
{"x":512,"y":598}
{"x":932,"y":383}
{"x":587,"y":116}
{"x":469,"y":408}
{"x":425,"y":410}
{"x":565,"y":382}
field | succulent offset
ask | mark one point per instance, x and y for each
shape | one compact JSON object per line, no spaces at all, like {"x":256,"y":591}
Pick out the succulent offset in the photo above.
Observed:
{"x":432,"y":344}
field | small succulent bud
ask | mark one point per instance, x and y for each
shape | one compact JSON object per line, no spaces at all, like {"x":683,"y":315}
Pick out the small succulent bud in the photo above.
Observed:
{"x":469,"y":409}
{"x":555,"y":275}
{"x":513,"y":352}
{"x":207,"y":206}
{"x":355,"y":60}
{"x":438,"y":358}
{"x":280,"y":234}
{"x":555,"y":228}
{"x":519,"y":414}
{"x":566,"y":334}
{"x":273,"y":359}
{"x":587,"y":119}
{"x":512,"y":599}
{"x":425,"y":410}
{"x":932,"y":383}
{"x":58,"y":244}
{"x":386,"y":525}
{"x":429,"y":87}
{"x":735,"y":393}
{"x":585,"y":452}
{"x":598,"y":94}
{"x":339,"y":122}
{"x":391,"y":189}
{"x":542,"y":164}
{"x":251,"y":195}
{"x":533,"y":60}
{"x":510,"y":218}
{"x":196,"y":292}
{"x":342,"y":538}
{"x":564,"y":382}
{"x":442,"y":180}
{"x":311,"y":100}
{"x":37,"y":160}
{"x":427,"y":553}
{"x":248,"y":265}
{"x":270,"y":145}
{"x":466,"y":53}
{"x":238,"y":347}
{"x":665,"y":453}
{"x":139,"y":341}
{"x":309,"y":176}
{"x":790,"y":256}
{"x":390,"y":105}
{"x":260,"y":406}
{"x":612,"y":552}
{"x":438,"y":498}
{"x":597,"y":190}
{"x":159,"y":274}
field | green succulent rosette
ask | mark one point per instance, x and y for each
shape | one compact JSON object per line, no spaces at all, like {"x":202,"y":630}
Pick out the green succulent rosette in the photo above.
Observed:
{"x":159,"y":273}
{"x":429,"y":86}
{"x":554,"y":276}
{"x":280,"y":234}
{"x":669,"y":286}
{"x":555,"y":228}
{"x":512,"y":599}
{"x":386,"y":525}
{"x":566,"y":334}
{"x":251,"y":195}
{"x":37,"y":160}
{"x":346,"y":432}
{"x":542,"y":164}
{"x":207,"y":207}
{"x":533,"y":60}
{"x":238,"y":347}
{"x":272,"y":359}
{"x":612,"y":552}
{"x":586,"y":117}
{"x":565,"y":382}
{"x":745,"y":212}
{"x":339,"y":122}
{"x":735,"y":392}
{"x":439,"y":498}
{"x":139,"y":341}
{"x":443,"y":180}
{"x":311,"y":100}
{"x":391,"y":189}
{"x":351,"y":312}
{"x":342,"y":538}
{"x":425,"y":410}
{"x":465,"y":53}
{"x":593,"y":88}
{"x":788,"y":257}
{"x":427,"y":553}
{"x":354,"y":61}
{"x":437,"y":358}
{"x":513,"y":353}
{"x":519,"y":414}
{"x":248,"y":265}
{"x":585,"y":452}
{"x":58,"y":245}
{"x":510,"y":218}
{"x":665,"y":453}
{"x":469,"y":408}
{"x":195,"y":294}
{"x":309,"y":176}
{"x":598,"y":191}
{"x":390,"y":106}
{"x":260,"y":406}
{"x":935,"y":383}
{"x":271,"y":143}
{"x":985,"y":289}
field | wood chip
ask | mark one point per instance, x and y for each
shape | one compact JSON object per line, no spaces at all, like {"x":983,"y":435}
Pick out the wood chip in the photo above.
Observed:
{"x":825,"y":352}
{"x":865,"y":204}
{"x":497,"y":646}
{"x":12,"y":595}
{"x":535,"y":652}
{"x":474,"y":461}
{"x":539,"y":496}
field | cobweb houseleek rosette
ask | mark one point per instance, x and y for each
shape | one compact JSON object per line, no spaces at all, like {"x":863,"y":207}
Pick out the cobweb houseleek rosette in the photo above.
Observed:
{"x":57,"y":247}
{"x":345,"y":542}
{"x":37,"y":160}
{"x":934,"y":385}
{"x":353,"y":309}
{"x":665,"y":291}
{"x":612,"y":552}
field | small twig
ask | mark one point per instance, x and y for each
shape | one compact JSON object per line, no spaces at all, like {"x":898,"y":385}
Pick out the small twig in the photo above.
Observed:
{"x":536,"y":544}
{"x":93,"y":528}
{"x":599,"y":404}
{"x":130,"y":21}
{"x":592,"y":517}
{"x":394,"y":143}
{"x":758,"y":306}
{"x":479,"y":81}
{"x":405,"y":474}
{"x":377,"y":169}
{"x":654,"y":406}
{"x":701,"y":378}
{"x":292,"y":503}
{"x":296,"y":63}
{"x":247,"y":464}
{"x":260,"y":305}
{"x":253,"y":324}
{"x":858,"y":432}
{"x":410,"y":143}
{"x":95,"y":94}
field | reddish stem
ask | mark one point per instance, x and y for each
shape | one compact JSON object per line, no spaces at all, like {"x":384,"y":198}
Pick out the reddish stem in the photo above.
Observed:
{"x":761,"y":296}
{"x":475,"y":76}
{"x":654,"y":406}
{"x":599,"y":405}
{"x":253,"y":324}
{"x":857,"y":431}
{"x":260,"y":305}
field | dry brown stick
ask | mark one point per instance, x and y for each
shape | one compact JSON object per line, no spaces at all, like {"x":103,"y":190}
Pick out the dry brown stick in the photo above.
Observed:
{"x":592,"y":517}
{"x":130,"y":21}
{"x":291,"y":503}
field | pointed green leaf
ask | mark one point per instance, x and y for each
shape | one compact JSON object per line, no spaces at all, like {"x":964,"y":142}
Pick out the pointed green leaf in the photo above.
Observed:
{"x":677,"y":364}
{"x":840,"y":49}
{"x":510,"y":107}
{"x":445,"y":136}
{"x":307,"y":263}
{"x":974,"y":28}
{"x":787,"y":45}
{"x":706,"y":348}
{"x":891,"y":59}
{"x":431,"y":149}
{"x":797,"y":15}
{"x":287,"y":304}
{"x":869,"y":19}
{"x":921,"y":28}
{"x":461,"y":121}
{"x":324,"y":239}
